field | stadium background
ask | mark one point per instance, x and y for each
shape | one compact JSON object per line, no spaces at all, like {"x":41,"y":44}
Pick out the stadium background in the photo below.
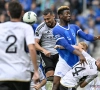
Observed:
{"x":85,"y":13}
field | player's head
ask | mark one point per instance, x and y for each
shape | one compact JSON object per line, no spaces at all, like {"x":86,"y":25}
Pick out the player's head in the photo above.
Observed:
{"x":98,"y":64}
{"x":49,"y":17}
{"x":64,"y":13}
{"x":83,"y":45}
{"x":15,"y":10}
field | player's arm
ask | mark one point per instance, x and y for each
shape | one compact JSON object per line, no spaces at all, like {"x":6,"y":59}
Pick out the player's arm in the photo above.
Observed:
{"x":38,"y":35}
{"x":87,"y":80}
{"x":77,"y":47}
{"x":29,"y":37}
{"x":37,"y":45}
{"x":42,"y":83}
{"x":60,"y":40}
{"x":39,"y":85}
{"x":85,"y":36}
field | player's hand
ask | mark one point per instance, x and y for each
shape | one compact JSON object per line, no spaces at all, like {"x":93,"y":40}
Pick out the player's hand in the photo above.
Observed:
{"x":59,"y":46}
{"x":82,"y":59}
{"x":98,"y":37}
{"x":36,"y":78}
{"x":37,"y":86}
{"x":47,"y":53}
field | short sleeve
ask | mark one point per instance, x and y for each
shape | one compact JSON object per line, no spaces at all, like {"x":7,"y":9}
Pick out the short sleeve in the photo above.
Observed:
{"x":85,"y":54}
{"x":29,"y":35}
{"x":38,"y":33}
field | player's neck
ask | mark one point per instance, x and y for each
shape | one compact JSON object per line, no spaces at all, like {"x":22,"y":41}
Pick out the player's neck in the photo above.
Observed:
{"x":63,"y":23}
{"x":15,"y":20}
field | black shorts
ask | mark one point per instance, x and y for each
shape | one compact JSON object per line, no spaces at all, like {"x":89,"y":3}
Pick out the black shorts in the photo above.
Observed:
{"x":50,"y":62}
{"x":66,"y":88}
{"x":14,"y":85}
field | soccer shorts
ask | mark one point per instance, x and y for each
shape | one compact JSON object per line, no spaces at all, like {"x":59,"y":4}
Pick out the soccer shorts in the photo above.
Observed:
{"x":66,"y":88}
{"x":61,"y":68}
{"x":14,"y":85}
{"x":49,"y":62}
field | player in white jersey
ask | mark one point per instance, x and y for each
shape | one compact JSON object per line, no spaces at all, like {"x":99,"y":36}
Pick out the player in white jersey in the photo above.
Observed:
{"x":14,"y":62}
{"x":41,"y":83}
{"x":89,"y":70}
{"x":45,"y":43}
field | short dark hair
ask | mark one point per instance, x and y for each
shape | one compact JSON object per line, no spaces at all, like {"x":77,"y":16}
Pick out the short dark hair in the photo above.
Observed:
{"x":15,"y":9}
{"x":47,"y":11}
{"x":62,"y":8}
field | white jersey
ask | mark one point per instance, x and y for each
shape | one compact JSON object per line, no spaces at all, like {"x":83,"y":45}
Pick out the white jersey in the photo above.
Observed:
{"x":14,"y":61}
{"x":47,"y":40}
{"x":94,"y":85}
{"x":73,"y":76}
{"x":41,"y":75}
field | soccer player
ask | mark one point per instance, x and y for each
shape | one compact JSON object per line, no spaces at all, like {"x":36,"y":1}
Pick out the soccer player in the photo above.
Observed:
{"x":89,"y":70}
{"x":45,"y":43}
{"x":41,"y":83}
{"x":65,"y":35}
{"x":14,"y":62}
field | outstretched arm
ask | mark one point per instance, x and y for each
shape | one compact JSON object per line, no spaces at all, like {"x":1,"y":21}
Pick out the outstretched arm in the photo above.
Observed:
{"x":61,"y":47}
{"x":78,"y":48}
{"x":87,"y":80}
{"x":88,"y":37}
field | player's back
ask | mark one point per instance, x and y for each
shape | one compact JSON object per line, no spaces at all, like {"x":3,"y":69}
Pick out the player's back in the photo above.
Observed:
{"x":73,"y":76}
{"x":14,"y":62}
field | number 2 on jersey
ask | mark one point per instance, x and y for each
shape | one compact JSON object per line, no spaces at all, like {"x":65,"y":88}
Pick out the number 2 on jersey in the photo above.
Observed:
{"x":15,"y":49}
{"x":77,"y":70}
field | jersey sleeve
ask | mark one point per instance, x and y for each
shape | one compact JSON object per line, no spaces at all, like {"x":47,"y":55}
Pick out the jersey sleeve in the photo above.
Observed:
{"x":86,"y":55}
{"x":38,"y":33}
{"x":60,"y":40}
{"x":83,"y":35}
{"x":29,"y":35}
{"x":90,"y":78}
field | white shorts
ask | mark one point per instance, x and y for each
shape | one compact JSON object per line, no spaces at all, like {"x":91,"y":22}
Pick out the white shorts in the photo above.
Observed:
{"x":61,"y":68}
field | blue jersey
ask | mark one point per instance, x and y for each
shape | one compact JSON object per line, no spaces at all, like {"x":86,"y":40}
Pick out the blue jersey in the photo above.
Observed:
{"x":34,"y":26}
{"x":66,"y":36}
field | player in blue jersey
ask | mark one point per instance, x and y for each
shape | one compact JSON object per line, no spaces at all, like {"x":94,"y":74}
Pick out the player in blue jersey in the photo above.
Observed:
{"x":65,"y":35}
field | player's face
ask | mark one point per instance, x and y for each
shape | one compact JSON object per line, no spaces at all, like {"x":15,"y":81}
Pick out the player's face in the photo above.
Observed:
{"x":82,"y":47}
{"x":49,"y":19}
{"x":66,"y":16}
{"x":98,"y":64}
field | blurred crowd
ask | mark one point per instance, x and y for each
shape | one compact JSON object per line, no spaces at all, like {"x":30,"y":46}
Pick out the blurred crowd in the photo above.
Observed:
{"x":85,"y":13}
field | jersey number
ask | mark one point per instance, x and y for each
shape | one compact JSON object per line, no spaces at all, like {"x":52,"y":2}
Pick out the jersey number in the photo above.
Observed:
{"x":15,"y":49}
{"x":77,"y":70}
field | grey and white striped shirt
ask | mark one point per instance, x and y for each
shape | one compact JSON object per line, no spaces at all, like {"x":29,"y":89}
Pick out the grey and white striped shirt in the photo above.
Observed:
{"x":44,"y":33}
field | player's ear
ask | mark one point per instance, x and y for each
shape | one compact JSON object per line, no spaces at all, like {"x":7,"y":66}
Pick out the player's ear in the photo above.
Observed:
{"x":53,"y":15}
{"x":60,"y":15}
{"x":22,"y":13}
{"x":8,"y":13}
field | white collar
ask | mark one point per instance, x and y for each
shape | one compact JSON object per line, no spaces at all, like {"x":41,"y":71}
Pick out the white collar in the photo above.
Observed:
{"x":65,"y":28}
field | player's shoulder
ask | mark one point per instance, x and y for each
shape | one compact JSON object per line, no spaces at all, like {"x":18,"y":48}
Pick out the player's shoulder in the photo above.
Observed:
{"x":40,"y":26}
{"x":73,"y":25}
{"x":20,"y":24}
{"x":3,"y":24}
{"x":25,"y":25}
